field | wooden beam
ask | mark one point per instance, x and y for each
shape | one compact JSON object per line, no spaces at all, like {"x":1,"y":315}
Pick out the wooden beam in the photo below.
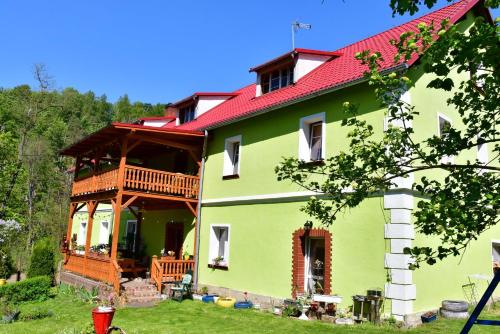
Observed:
{"x":159,"y":196}
{"x":69,"y":230}
{"x":133,"y":212}
{"x":134,"y":145}
{"x":113,"y":203}
{"x":130,"y":201}
{"x":118,"y":204}
{"x":93,"y":207}
{"x":78,"y":208}
{"x":190,"y":207}
{"x":91,"y":210}
{"x":164,"y":142}
{"x":195,"y":158}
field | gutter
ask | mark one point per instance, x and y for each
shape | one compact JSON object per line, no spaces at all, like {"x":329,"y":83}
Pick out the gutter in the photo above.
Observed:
{"x":400,"y":67}
{"x":198,"y":215}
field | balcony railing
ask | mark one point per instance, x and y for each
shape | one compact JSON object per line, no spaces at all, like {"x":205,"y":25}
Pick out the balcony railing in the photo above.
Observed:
{"x":139,"y":179}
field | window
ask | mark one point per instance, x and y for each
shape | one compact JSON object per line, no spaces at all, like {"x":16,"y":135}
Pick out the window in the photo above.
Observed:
{"x":444,"y":124}
{"x":186,"y":114}
{"x":276,"y":79}
{"x":219,"y":245}
{"x":82,"y":234}
{"x":232,"y":152}
{"x":312,"y":138}
{"x":316,"y":130}
{"x":104,"y":233}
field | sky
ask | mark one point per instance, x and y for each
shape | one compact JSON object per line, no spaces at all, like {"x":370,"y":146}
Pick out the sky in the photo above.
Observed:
{"x":164,"y":50}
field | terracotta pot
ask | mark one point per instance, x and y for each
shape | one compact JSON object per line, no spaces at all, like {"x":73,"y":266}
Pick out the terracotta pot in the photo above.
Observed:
{"x":102,"y":319}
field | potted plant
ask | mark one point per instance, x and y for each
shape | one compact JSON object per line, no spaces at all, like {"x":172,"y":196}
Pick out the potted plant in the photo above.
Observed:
{"x":102,"y":315}
{"x":186,"y":256}
{"x":217,"y":260}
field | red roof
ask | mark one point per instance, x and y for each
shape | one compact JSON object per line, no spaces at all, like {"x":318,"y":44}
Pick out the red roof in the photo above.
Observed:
{"x":333,"y":74}
{"x":295,"y":51}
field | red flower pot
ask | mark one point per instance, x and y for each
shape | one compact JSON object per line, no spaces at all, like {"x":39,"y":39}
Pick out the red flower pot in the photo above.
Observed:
{"x":102,"y":319}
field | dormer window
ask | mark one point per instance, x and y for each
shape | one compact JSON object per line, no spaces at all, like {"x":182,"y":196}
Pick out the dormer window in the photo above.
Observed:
{"x":186,"y":114}
{"x":276,"y":79}
{"x":287,"y":69}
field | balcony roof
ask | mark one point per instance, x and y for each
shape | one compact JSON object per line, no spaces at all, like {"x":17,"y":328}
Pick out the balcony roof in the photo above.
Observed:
{"x":115,"y":131}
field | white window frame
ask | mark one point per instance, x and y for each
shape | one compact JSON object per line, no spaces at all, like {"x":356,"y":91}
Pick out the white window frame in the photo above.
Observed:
{"x":213,"y":250}
{"x":305,"y":136}
{"x":229,"y":168}
{"x":445,"y":159}
{"x":104,"y":237}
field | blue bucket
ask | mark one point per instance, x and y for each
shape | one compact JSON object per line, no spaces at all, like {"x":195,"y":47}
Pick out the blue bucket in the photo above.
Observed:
{"x":243,"y":304}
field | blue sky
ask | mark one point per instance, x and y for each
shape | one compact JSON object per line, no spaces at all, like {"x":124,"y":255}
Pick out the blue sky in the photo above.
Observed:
{"x":162,"y":51}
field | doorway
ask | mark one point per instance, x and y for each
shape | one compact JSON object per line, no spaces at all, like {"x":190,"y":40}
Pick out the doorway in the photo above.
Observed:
{"x":174,"y":238}
{"x":314,"y":265}
{"x":311,"y":261}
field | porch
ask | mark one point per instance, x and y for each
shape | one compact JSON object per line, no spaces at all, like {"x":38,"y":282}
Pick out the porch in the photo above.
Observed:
{"x":136,"y":172}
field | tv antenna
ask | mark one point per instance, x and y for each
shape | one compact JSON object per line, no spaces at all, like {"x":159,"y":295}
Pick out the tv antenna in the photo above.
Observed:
{"x":296,"y":26}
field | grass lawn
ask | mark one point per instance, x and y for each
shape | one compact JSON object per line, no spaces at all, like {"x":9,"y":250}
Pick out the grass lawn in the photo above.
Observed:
{"x":189,"y":316}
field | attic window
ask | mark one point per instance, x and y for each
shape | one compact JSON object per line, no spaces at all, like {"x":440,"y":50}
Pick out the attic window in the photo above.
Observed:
{"x":186,"y":114}
{"x":276,"y":79}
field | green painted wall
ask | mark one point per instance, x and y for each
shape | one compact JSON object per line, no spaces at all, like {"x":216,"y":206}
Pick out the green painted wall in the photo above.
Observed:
{"x":260,"y":258}
{"x":268,"y":138}
{"x":152,"y":230}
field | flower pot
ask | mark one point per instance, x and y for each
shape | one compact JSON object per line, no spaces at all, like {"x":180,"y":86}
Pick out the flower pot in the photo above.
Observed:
{"x":186,"y":257}
{"x":102,"y":318}
{"x":3,"y":281}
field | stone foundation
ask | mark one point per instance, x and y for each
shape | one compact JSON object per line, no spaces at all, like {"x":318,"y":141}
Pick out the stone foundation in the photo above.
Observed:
{"x":88,"y":284}
{"x":265,"y":302}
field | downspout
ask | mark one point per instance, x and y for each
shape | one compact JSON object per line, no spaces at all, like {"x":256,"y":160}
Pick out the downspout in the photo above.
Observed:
{"x":198,"y":211}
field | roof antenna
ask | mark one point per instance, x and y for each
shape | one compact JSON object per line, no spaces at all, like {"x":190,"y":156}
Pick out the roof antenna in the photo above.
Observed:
{"x":296,"y":26}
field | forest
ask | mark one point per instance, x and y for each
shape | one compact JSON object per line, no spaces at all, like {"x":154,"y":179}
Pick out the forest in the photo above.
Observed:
{"x":36,"y":123}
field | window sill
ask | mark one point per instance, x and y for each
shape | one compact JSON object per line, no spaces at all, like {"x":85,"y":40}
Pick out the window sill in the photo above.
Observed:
{"x":320,"y":162}
{"x":218,"y":266}
{"x":230,"y":177}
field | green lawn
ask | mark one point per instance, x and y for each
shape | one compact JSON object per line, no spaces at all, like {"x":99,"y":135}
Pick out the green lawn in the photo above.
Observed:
{"x":196,"y":317}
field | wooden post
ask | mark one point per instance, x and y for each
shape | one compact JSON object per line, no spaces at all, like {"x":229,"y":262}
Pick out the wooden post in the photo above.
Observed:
{"x":72,"y":210}
{"x":91,"y":207}
{"x":118,"y":202}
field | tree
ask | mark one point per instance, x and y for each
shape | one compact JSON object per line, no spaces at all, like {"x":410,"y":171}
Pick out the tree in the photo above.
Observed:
{"x":462,"y":200}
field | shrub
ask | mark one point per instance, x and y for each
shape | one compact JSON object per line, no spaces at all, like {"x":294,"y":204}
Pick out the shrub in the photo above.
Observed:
{"x":31,"y":289}
{"x":42,"y":261}
{"x":36,"y":313}
{"x":6,"y":266}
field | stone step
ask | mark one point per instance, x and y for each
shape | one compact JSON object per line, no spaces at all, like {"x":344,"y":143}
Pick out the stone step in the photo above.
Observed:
{"x":143,"y":300}
{"x":149,"y":294}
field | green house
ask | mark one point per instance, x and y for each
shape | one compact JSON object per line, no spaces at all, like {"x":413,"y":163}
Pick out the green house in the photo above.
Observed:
{"x":244,"y":228}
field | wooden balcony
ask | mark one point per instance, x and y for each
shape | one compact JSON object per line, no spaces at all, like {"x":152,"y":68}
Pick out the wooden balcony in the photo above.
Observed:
{"x":140,"y":180}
